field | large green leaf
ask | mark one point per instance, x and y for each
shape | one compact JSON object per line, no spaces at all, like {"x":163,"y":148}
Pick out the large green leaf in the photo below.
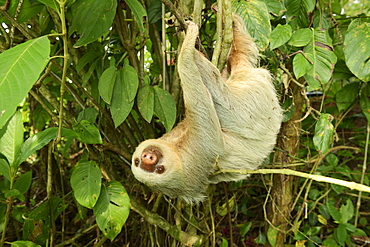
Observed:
{"x":324,"y":59}
{"x":50,"y":3}
{"x":112,"y":209}
{"x":145,"y":102}
{"x":130,"y":80}
{"x":280,"y":35}
{"x":257,"y":20}
{"x":20,"y":68}
{"x":106,"y":82}
{"x":347,"y":95}
{"x":301,"y":37}
{"x":87,"y":132}
{"x":138,"y":11}
{"x":12,"y":137}
{"x":324,"y":131}
{"x":298,"y":10}
{"x":301,"y":65}
{"x":28,"y":9}
{"x":155,"y":11}
{"x":90,"y":114}
{"x":357,"y":50}
{"x":92,"y":19}
{"x":125,"y":89}
{"x":86,"y":183}
{"x":275,"y":7}
{"x":164,"y":107}
{"x":33,"y":144}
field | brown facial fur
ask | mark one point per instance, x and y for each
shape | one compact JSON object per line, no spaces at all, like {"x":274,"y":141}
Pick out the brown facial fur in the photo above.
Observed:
{"x":150,"y":158}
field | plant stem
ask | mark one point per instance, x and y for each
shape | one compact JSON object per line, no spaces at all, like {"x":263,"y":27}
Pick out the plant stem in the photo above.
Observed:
{"x":9,"y":207}
{"x":65,"y":66}
{"x":364,"y":168}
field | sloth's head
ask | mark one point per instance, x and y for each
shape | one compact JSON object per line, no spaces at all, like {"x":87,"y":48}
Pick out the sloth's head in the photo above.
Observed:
{"x":155,"y":163}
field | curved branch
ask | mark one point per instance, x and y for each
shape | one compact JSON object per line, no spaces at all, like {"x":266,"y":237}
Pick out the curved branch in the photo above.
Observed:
{"x":155,"y":219}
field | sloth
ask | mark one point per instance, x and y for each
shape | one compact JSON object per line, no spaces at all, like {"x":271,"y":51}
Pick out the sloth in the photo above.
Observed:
{"x":229,"y":123}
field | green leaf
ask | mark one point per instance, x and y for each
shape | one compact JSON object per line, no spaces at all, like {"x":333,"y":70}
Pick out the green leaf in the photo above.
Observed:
{"x":28,"y":10}
{"x":12,"y":138}
{"x":20,"y":68}
{"x":37,"y":224}
{"x":301,"y":37}
{"x":34,"y":143}
{"x":347,"y":95}
{"x":301,"y":65}
{"x":24,"y":244}
{"x":92,"y":19}
{"x":324,"y":131}
{"x":346,"y":211}
{"x":138,"y":11}
{"x":334,"y":212}
{"x":257,"y":20}
{"x":298,"y":10}
{"x":261,"y":239}
{"x":332,"y":159}
{"x":277,"y":8}
{"x":224,"y":243}
{"x":12,"y":193}
{"x":145,"y":102}
{"x":89,"y":57}
{"x":280,"y":35}
{"x":124,"y":92}
{"x":106,"y":82}
{"x":50,"y":3}
{"x":340,"y":234}
{"x":23,"y":183}
{"x":130,"y":81}
{"x":90,"y":114}
{"x":86,"y":183}
{"x":272,"y":235}
{"x":357,"y":50}
{"x":155,"y":11}
{"x":87,"y":132}
{"x":40,"y":117}
{"x":321,"y":49}
{"x":365,"y":105}
{"x":164,"y":107}
{"x":5,"y":169}
{"x":112,"y":209}
{"x":324,"y":211}
{"x":222,"y":210}
{"x":244,"y":229}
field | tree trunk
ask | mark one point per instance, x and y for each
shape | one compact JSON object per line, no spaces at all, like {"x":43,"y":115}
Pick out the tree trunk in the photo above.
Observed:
{"x":282,"y":185}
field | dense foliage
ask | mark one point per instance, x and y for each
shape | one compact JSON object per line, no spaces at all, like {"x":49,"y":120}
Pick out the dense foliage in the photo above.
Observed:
{"x":83,"y":82}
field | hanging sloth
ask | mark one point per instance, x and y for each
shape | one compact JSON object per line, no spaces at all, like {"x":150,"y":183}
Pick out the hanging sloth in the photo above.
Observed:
{"x":229,"y":124}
